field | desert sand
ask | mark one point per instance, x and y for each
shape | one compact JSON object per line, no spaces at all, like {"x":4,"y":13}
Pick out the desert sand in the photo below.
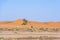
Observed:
{"x":20,"y":23}
{"x":30,"y":23}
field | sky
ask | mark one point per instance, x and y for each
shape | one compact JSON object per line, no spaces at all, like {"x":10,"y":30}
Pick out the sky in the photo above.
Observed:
{"x":36,"y":10}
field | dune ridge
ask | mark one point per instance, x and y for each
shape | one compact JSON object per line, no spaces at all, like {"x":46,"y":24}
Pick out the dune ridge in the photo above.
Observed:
{"x":19,"y":22}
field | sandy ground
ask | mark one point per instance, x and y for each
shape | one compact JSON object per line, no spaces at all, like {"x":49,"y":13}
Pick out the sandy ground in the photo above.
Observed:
{"x":10,"y":35}
{"x":31,"y":35}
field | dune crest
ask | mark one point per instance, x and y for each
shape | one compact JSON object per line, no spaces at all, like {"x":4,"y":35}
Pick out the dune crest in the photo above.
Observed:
{"x":31,"y":23}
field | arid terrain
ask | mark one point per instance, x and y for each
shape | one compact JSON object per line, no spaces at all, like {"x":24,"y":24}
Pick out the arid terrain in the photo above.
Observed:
{"x":23,"y":29}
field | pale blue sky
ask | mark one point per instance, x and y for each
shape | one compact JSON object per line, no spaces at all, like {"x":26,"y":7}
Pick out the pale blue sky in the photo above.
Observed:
{"x":38,"y":10}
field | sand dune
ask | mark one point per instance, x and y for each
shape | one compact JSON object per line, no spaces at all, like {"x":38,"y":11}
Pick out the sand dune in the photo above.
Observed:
{"x":29,"y":23}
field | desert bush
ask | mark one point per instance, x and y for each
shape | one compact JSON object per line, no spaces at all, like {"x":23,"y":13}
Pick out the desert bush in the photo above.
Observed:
{"x":24,"y":22}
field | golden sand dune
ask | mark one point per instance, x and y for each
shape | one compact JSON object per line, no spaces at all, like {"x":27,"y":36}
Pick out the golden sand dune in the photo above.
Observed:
{"x":30,"y":23}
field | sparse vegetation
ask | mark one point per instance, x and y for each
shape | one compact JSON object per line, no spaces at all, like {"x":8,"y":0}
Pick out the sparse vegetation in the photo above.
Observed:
{"x":31,"y":38}
{"x":32,"y":29}
{"x":24,"y":22}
